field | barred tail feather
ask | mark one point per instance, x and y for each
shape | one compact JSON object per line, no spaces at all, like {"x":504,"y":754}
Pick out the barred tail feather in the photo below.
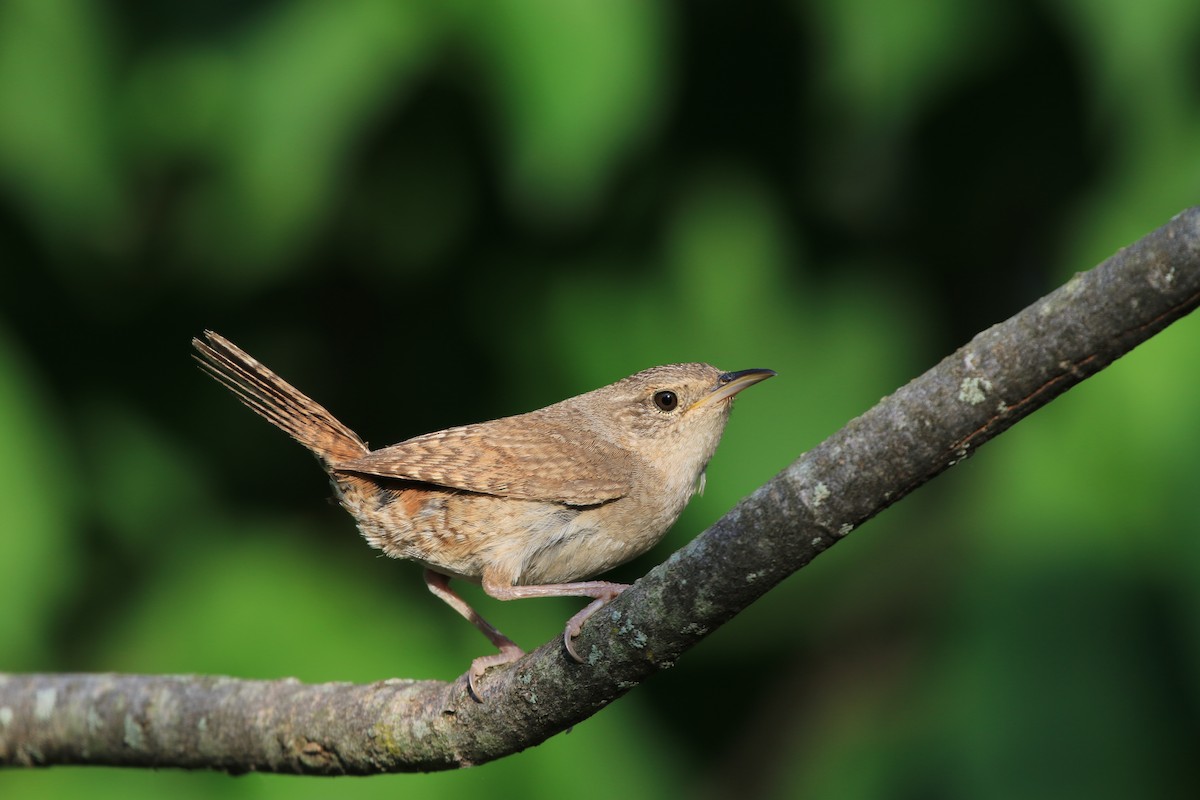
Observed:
{"x":278,"y":401}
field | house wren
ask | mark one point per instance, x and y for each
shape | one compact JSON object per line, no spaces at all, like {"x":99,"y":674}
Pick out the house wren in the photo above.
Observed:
{"x":529,"y":505}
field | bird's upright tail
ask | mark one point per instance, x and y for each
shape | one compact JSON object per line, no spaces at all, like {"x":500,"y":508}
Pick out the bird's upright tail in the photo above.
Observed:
{"x":278,"y":401}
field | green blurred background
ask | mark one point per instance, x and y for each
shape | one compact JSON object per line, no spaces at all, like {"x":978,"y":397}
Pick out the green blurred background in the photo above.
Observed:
{"x":430,"y":213}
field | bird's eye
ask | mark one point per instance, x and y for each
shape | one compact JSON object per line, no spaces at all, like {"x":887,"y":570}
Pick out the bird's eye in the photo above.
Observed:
{"x":666,"y":401}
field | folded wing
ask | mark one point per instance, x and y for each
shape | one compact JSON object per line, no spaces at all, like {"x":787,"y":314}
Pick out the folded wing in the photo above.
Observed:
{"x":506,"y":460}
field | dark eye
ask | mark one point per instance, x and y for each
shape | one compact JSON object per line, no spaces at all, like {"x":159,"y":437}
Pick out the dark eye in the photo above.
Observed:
{"x":666,"y":401}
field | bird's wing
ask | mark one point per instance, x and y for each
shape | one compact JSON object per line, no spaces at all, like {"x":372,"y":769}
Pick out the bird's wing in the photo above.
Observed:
{"x":507,"y":461}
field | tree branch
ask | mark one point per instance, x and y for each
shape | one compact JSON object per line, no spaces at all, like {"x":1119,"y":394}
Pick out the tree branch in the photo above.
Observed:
{"x":937,"y":420}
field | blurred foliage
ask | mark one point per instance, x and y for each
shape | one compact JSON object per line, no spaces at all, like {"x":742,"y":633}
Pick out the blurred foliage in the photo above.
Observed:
{"x":429,"y":213}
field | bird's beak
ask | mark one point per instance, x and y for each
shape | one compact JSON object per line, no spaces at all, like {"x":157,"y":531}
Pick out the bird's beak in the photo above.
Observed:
{"x":730,"y":383}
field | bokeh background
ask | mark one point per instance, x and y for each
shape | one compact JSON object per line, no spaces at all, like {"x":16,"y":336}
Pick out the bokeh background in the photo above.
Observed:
{"x":430,"y":213}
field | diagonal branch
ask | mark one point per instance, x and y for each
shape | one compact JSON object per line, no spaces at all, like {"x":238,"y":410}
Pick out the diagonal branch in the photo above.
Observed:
{"x":927,"y":426}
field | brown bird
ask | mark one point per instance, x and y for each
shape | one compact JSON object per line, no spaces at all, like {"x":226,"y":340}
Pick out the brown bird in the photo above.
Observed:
{"x":529,"y":505}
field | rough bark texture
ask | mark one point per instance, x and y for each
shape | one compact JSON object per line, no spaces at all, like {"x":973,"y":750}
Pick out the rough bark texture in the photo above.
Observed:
{"x":934,"y":422}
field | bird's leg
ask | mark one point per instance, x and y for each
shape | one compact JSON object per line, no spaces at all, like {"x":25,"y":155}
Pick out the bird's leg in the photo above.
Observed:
{"x":439,"y":584}
{"x":602,"y":591}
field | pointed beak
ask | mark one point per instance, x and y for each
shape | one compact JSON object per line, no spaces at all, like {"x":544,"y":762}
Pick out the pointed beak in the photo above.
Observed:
{"x":730,"y":383}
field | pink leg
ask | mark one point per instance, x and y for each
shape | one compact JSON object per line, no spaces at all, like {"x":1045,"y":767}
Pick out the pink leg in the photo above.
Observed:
{"x":602,"y":591}
{"x":439,"y":584}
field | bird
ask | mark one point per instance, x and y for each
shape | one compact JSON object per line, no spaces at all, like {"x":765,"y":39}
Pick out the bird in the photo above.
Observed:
{"x":531,"y":505}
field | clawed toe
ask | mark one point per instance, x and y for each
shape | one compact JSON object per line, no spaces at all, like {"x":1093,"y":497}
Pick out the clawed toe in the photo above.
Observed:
{"x":575,"y":625}
{"x":507,"y":655}
{"x":570,"y":648}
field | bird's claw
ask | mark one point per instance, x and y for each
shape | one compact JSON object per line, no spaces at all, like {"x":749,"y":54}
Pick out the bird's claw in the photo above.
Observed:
{"x":508,"y":654}
{"x":575,"y":624}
